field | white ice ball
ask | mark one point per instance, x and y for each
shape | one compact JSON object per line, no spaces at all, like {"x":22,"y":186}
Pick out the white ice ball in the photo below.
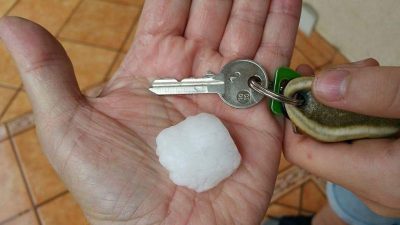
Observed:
{"x":198,"y":152}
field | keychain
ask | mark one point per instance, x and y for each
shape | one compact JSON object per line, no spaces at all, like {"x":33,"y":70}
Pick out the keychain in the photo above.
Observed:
{"x":244,"y":83}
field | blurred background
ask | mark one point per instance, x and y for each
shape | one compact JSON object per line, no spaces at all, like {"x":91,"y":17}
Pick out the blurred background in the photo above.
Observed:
{"x":97,"y":35}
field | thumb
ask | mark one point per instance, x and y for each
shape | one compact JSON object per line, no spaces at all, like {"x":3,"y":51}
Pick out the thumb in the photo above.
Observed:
{"x":372,"y":91}
{"x":44,"y":66}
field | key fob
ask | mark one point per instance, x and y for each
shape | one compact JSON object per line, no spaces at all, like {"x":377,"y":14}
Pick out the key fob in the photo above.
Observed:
{"x":329,"y":124}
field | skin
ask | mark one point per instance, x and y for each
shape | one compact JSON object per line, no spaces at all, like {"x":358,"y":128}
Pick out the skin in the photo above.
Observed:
{"x":368,"y":168}
{"x":104,"y":148}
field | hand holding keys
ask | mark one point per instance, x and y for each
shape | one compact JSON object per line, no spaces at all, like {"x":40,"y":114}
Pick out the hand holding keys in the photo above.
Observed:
{"x":243,"y":84}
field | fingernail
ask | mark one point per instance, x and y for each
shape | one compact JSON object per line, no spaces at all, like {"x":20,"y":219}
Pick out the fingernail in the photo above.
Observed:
{"x":331,"y":85}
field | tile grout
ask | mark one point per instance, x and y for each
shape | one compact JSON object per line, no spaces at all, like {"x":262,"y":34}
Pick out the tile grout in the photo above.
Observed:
{"x":87,"y":44}
{"x":301,"y":197}
{"x":124,"y":42}
{"x":121,"y":3}
{"x":9,"y":86}
{"x":18,"y":160}
{"x":57,"y":34}
{"x":10,"y":102}
{"x":16,"y":118}
{"x":11,"y":8}
{"x":294,"y":208}
{"x":51,"y":199}
{"x":15,"y":216}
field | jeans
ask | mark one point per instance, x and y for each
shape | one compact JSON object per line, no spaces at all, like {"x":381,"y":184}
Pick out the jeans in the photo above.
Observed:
{"x":353,"y":211}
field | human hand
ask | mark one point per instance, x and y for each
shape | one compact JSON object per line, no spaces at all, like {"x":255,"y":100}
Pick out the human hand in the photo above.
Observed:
{"x":368,"y":168}
{"x":104,"y":148}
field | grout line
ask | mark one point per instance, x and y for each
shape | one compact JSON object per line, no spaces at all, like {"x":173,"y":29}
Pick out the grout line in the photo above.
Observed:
{"x":11,"y":8}
{"x":120,"y":3}
{"x":301,"y":198}
{"x":16,"y":155}
{"x":311,"y":63}
{"x":68,"y":19}
{"x":109,"y":70}
{"x":15,"y":216}
{"x":292,"y":207}
{"x":87,"y":44}
{"x":9,"y":87}
{"x":19,"y":117}
{"x":51,"y":199}
{"x":286,"y":168}
{"x":10,"y":102}
{"x":124,"y":42}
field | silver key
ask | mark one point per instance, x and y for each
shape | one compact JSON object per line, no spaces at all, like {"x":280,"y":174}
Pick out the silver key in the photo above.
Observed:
{"x":231,"y":84}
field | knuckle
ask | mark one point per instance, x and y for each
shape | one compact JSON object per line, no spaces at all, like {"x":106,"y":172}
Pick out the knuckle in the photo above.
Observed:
{"x":276,"y":50}
{"x":393,"y":104}
{"x":288,"y":8}
{"x":45,"y":60}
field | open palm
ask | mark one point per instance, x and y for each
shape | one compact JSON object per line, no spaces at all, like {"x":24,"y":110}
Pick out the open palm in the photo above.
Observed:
{"x":104,"y":148}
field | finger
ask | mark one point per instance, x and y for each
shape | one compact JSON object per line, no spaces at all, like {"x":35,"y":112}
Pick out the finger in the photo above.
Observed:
{"x":279,"y":36}
{"x":369,"y":62}
{"x":305,"y":70}
{"x":45,"y":68}
{"x":355,"y":166}
{"x":207,"y":21}
{"x":373,"y":91}
{"x":244,"y":30}
{"x":166,"y":17}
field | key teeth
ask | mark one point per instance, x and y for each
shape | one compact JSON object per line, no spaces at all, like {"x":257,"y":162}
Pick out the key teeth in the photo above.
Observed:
{"x":161,"y":81}
{"x":153,"y":90}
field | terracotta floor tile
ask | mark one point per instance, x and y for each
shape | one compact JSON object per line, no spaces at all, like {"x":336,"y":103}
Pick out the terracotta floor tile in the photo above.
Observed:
{"x":130,"y":2}
{"x":13,"y":194}
{"x":51,"y":14}
{"x":298,"y":58}
{"x":283,"y":164}
{"x":291,"y":199}
{"x":19,"y":106}
{"x":313,"y":198}
{"x":130,"y":39}
{"x":28,"y":218}
{"x":8,"y":70}
{"x":139,"y":2}
{"x":62,"y":211}
{"x":116,"y":65}
{"x":275,"y":210}
{"x":6,"y":95}
{"x":127,"y":2}
{"x":316,"y":56}
{"x":322,"y":44}
{"x":88,"y":24}
{"x":42,"y":179}
{"x":339,"y":59}
{"x":6,"y":5}
{"x":91,"y":63}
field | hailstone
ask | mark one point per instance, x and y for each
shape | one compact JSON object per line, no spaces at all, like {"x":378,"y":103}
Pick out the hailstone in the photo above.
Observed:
{"x":198,"y":152}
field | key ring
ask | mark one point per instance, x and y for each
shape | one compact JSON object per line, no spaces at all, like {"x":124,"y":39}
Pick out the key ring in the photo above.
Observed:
{"x":281,"y":98}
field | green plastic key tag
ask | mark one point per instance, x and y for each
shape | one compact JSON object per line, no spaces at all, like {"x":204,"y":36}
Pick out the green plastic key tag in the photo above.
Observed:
{"x":282,"y":76}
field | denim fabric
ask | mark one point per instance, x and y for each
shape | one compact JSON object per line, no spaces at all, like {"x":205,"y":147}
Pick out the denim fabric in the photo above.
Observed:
{"x":353,"y":211}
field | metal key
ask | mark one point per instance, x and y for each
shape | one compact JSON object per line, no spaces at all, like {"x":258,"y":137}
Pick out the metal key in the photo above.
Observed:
{"x":231,"y":84}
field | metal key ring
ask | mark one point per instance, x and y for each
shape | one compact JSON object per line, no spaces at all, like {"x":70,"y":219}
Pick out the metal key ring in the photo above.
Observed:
{"x":281,"y":98}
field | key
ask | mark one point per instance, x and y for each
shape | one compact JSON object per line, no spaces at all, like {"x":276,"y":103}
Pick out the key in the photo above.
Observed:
{"x":231,"y":84}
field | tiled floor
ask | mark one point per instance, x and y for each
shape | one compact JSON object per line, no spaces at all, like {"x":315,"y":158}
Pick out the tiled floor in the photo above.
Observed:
{"x":30,"y":191}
